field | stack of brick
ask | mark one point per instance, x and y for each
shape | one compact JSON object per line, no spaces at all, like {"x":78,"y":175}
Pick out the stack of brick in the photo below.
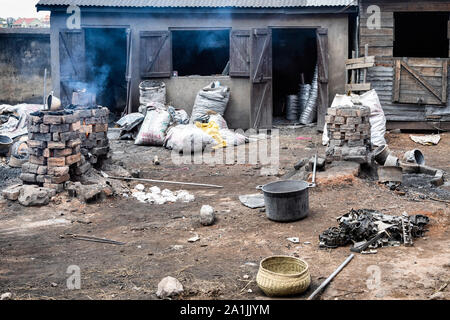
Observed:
{"x":54,"y":145}
{"x":94,"y":134}
{"x":349,"y":133}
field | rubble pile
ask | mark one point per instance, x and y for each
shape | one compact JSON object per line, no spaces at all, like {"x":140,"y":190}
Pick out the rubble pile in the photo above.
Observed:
{"x":370,"y":229}
{"x":348,"y":130}
{"x":94,"y":135}
{"x":54,"y":146}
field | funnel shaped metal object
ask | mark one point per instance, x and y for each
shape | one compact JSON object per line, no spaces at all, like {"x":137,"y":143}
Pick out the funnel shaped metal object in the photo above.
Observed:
{"x":53,"y":103}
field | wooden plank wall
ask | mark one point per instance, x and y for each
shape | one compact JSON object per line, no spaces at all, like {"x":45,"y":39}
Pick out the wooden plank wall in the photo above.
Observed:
{"x":381,"y":44}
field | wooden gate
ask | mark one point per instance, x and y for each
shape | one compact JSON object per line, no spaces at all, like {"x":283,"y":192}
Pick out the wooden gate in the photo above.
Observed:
{"x":72,"y":62}
{"x":261,"y":79}
{"x":421,"y":81}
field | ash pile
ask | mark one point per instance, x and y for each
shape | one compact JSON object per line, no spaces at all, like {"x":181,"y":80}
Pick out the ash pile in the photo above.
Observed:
{"x":371,"y":229}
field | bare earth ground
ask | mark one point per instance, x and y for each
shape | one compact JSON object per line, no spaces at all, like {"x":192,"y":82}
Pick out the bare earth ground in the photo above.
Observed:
{"x":33,"y":256}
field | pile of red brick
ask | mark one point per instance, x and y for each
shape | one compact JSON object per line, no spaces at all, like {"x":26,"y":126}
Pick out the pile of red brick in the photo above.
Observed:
{"x":54,"y":145}
{"x":349,"y":133}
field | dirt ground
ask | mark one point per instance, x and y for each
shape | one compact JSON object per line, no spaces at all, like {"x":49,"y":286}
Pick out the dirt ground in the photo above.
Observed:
{"x":34,"y":258}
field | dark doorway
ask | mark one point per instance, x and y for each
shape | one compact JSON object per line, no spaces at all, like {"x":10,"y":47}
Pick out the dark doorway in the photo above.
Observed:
{"x":421,"y":34}
{"x":106,"y":60}
{"x":200,"y":52}
{"x":294,"y":54}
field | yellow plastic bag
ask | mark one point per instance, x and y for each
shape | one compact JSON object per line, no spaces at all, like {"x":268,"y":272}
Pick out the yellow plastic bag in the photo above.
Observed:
{"x":212,"y":129}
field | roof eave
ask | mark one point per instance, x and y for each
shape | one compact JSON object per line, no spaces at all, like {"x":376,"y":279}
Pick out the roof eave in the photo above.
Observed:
{"x":286,"y":10}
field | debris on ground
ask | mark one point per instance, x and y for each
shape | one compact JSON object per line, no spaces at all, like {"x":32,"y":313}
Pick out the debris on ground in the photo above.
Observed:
{"x":169,"y":287}
{"x":156,"y":196}
{"x":194,"y":238}
{"x":207,"y":215}
{"x":252,"y":201}
{"x":31,"y":195}
{"x":371,"y":229}
{"x":428,"y":140}
{"x":6,"y":296}
{"x":293,"y":240}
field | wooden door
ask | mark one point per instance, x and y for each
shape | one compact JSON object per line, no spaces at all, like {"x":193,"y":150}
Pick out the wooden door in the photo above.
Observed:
{"x":128,"y":108}
{"x":261,"y":79}
{"x":155,"y":54}
{"x":72,"y":62}
{"x":322,"y":60}
{"x":240,"y":53}
{"x":421,"y":81}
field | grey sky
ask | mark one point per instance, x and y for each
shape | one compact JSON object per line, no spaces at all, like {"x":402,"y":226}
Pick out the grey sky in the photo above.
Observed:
{"x":20,"y":8}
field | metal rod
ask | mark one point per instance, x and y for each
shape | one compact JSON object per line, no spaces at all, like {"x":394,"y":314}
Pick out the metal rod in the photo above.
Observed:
{"x":168,"y":182}
{"x":45,"y":86}
{"x":314,"y":170}
{"x":328,"y":280}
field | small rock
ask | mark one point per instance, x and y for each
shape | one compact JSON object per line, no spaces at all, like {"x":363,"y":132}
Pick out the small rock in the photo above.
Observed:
{"x":34,"y":196}
{"x":293,"y":240}
{"x":140,"y":187}
{"x":169,"y":287}
{"x":207,"y":215}
{"x":245,"y":276}
{"x":194,"y":238}
{"x":6,"y":296}
{"x":249,"y":290}
{"x":54,"y":284}
{"x":12,"y":193}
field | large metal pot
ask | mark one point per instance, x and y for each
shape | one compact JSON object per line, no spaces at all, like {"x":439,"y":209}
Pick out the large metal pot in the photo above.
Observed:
{"x":5,"y":144}
{"x":286,"y":200}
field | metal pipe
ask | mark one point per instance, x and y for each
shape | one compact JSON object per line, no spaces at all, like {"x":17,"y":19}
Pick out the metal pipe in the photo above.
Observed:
{"x":45,"y":87}
{"x":328,"y":280}
{"x":165,"y":181}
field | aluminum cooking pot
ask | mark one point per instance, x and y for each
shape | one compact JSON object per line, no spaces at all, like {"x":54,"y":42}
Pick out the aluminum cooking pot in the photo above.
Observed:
{"x":286,"y":200}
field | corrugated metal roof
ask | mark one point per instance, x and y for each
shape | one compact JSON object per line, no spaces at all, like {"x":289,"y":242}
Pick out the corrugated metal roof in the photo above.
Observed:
{"x":200,"y":3}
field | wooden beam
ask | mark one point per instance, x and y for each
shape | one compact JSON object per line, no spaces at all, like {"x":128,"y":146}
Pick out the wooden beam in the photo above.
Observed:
{"x":444,"y":80}
{"x":360,"y":66}
{"x":397,"y":79}
{"x":358,"y":87}
{"x":368,"y":59}
{"x":418,"y":125}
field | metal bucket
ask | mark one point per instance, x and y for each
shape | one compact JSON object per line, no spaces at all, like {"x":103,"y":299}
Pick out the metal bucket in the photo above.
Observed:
{"x":414,"y":156}
{"x":286,"y":200}
{"x":5,"y":144}
{"x":381,"y":153}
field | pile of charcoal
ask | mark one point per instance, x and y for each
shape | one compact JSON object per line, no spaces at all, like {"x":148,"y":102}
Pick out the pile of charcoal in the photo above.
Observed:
{"x":371,"y":229}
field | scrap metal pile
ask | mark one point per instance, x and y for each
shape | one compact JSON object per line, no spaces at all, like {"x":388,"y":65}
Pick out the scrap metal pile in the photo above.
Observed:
{"x":371,"y":229}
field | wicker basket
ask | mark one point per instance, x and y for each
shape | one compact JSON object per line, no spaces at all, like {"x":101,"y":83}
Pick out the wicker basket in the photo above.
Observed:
{"x":283,"y":276}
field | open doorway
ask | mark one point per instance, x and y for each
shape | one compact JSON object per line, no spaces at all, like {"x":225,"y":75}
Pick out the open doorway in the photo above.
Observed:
{"x":106,"y":60}
{"x":421,"y":34}
{"x":294,"y":56}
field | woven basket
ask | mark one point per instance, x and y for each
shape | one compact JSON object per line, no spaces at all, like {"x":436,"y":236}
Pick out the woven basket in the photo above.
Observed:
{"x":283,"y":276}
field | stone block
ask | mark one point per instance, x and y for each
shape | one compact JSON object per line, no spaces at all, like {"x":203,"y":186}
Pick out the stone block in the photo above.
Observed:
{"x":36,"y":144}
{"x":40,"y":160}
{"x":59,"y":128}
{"x":49,"y":119}
{"x":56,"y":145}
{"x":62,"y":152}
{"x":28,"y":177}
{"x":73,"y":159}
{"x":56,"y":162}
